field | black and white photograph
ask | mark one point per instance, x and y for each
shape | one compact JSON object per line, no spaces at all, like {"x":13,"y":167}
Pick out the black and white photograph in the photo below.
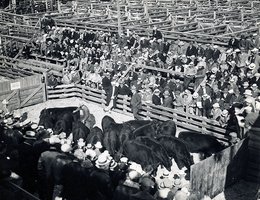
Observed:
{"x":129,"y":99}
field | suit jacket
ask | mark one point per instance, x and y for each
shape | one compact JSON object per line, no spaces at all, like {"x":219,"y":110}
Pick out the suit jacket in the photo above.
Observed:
{"x":215,"y":54}
{"x":136,"y":101}
{"x":191,"y":50}
{"x":233,"y":43}
{"x":168,"y":102}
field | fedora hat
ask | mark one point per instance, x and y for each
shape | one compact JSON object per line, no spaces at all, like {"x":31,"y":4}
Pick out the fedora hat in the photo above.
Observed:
{"x":112,"y":165}
{"x":224,"y":113}
{"x":248,"y":92}
{"x":102,"y":162}
{"x":34,"y":126}
{"x":216,"y":105}
{"x":252,"y":66}
{"x":98,"y":145}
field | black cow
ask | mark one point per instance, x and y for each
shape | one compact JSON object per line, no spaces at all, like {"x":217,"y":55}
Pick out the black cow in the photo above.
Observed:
{"x":176,"y":149}
{"x":200,"y":143}
{"x":158,"y":149}
{"x":149,"y":130}
{"x":115,"y":134}
{"x":167,"y":128}
{"x":95,"y":135}
{"x":59,"y":119}
{"x":79,"y":130}
{"x":141,"y":154}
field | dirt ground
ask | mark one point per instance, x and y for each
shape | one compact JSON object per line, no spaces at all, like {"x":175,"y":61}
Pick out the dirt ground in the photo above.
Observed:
{"x":240,"y":191}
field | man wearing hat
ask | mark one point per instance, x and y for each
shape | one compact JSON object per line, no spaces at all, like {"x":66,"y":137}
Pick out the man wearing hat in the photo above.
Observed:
{"x":136,"y":102}
{"x":254,"y":58}
{"x":156,"y":33}
{"x":216,"y":111}
{"x":156,"y":99}
{"x":191,"y":50}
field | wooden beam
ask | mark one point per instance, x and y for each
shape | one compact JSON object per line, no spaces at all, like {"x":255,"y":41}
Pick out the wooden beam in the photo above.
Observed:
{"x":31,"y":95}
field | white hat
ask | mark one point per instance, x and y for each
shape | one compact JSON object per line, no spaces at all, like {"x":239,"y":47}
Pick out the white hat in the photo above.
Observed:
{"x":102,"y":162}
{"x":133,"y":174}
{"x":30,"y":133}
{"x":17,"y":115}
{"x":91,"y":154}
{"x":112,"y":165}
{"x":215,"y":46}
{"x":66,"y":147}
{"x":124,"y":159}
{"x":181,"y":43}
{"x":248,"y":92}
{"x":34,"y":126}
{"x":81,"y":142}
{"x":249,"y":100}
{"x":5,"y":101}
{"x":252,"y":66}
{"x":224,"y":113}
{"x":98,"y":145}
{"x":237,"y":50}
{"x":195,"y":95}
{"x":216,"y":105}
{"x":254,"y":49}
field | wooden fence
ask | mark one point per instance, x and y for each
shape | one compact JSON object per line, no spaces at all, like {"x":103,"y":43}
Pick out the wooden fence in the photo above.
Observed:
{"x":253,"y":169}
{"x":212,"y":175}
{"x":148,"y":111}
{"x":23,"y":92}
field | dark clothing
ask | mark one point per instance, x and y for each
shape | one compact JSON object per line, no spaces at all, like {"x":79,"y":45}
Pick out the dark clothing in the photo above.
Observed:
{"x":233,"y":43}
{"x":156,"y":100}
{"x":191,"y":50}
{"x":142,"y":195}
{"x":157,"y":34}
{"x":136,"y":105}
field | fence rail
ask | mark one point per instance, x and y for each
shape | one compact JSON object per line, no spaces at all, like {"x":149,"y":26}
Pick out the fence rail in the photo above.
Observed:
{"x":149,"y":111}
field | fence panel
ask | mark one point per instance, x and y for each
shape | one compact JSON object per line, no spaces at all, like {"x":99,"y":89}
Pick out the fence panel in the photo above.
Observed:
{"x":212,"y":175}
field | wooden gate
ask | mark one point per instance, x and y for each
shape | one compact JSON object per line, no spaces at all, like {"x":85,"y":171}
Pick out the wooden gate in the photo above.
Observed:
{"x":212,"y":175}
{"x":23,"y":92}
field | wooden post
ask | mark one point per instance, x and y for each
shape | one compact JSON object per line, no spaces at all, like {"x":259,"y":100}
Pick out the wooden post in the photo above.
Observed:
{"x":44,"y":86}
{"x":242,"y":15}
{"x":189,"y":13}
{"x":214,"y":15}
{"x":18,"y":98}
{"x":118,"y":18}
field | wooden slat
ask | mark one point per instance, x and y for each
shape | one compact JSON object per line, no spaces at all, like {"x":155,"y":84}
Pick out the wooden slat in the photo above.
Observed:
{"x":31,"y":95}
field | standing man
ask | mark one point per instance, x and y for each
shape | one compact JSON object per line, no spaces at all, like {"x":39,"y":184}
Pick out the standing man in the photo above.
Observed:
{"x":136,"y":103}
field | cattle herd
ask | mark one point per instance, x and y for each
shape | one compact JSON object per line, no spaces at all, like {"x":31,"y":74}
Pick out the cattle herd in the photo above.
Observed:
{"x":90,"y":163}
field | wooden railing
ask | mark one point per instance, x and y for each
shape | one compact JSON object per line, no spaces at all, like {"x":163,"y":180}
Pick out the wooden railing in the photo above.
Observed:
{"x":148,"y":111}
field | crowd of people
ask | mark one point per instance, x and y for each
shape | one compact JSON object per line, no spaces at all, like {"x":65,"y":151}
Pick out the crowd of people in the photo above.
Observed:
{"x":202,"y":79}
{"x":62,"y":166}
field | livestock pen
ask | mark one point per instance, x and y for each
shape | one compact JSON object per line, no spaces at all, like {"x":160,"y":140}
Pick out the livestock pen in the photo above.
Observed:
{"x":208,"y":177}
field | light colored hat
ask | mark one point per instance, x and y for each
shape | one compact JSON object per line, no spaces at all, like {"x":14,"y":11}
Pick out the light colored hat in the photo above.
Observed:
{"x":254,"y":85}
{"x":79,"y":154}
{"x":252,"y":66}
{"x":237,"y":50}
{"x":156,"y":91}
{"x":91,"y":154}
{"x":195,"y":95}
{"x":248,"y":92}
{"x":66,"y":148}
{"x":5,"y":102}
{"x":17,"y":115}
{"x":112,"y":165}
{"x":181,"y":43}
{"x":216,"y":105}
{"x":249,"y":100}
{"x":254,"y":49}
{"x":229,"y":50}
{"x":224,"y":113}
{"x":215,"y":46}
{"x":102,"y":162}
{"x":34,"y":126}
{"x":98,"y":145}
{"x":133,"y":175}
{"x":124,"y":159}
{"x":214,"y":70}
{"x":81,"y":142}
